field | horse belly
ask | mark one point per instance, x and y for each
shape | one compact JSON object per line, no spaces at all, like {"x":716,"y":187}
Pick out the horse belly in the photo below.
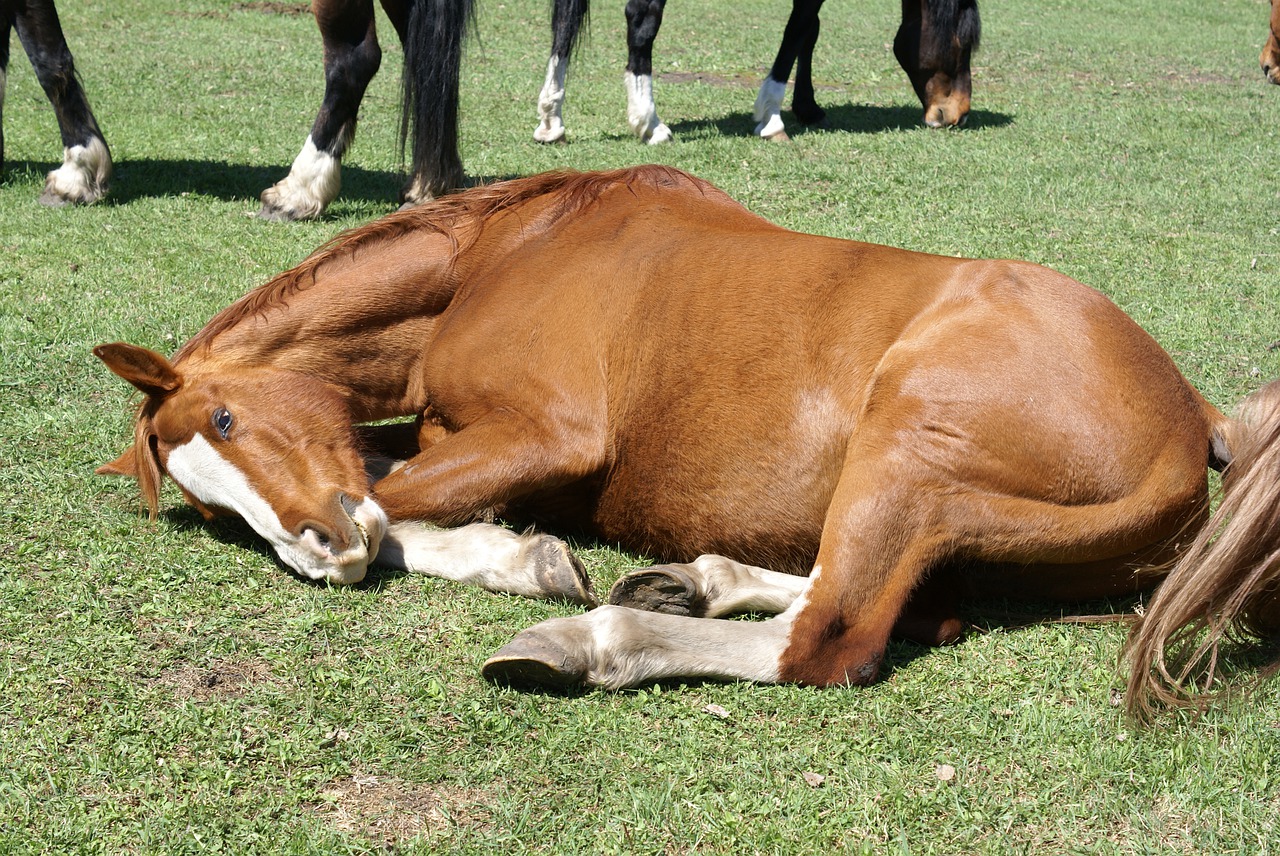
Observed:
{"x":761,"y":504}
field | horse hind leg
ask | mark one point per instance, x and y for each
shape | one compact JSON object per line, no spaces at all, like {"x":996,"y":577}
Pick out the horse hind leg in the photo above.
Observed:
{"x":85,"y":174}
{"x":349,"y":64}
{"x":644,"y":18}
{"x":566,"y":23}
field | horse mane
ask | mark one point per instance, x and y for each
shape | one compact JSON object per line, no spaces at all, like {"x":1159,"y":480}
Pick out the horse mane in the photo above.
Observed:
{"x":952,"y":24}
{"x":575,"y":191}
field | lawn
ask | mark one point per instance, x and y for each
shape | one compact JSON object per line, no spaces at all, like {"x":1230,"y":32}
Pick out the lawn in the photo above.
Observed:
{"x":168,"y":687}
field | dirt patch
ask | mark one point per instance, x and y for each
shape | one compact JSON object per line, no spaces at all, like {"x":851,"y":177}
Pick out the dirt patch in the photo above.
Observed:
{"x":738,"y":81}
{"x":272,"y":7}
{"x":390,"y":811}
{"x":218,"y":680}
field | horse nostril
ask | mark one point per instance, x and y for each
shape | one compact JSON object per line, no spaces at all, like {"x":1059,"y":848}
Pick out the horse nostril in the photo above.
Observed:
{"x":318,"y":535}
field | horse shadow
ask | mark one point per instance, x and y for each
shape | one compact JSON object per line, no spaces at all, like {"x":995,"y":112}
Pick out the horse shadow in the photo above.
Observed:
{"x":981,"y":617}
{"x":148,"y":178}
{"x":841,"y":118}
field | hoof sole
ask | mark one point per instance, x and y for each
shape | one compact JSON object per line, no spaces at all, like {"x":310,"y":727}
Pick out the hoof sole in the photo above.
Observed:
{"x":530,"y":662}
{"x":663,"y":589}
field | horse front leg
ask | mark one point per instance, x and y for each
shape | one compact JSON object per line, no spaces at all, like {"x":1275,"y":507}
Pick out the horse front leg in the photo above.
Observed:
{"x":85,"y":174}
{"x":491,"y":558}
{"x":351,"y":58}
{"x":644,"y":18}
{"x":461,"y":475}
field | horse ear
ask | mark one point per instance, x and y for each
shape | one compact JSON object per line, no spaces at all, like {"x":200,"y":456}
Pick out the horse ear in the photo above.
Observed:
{"x":148,"y":371}
{"x":125,"y":465}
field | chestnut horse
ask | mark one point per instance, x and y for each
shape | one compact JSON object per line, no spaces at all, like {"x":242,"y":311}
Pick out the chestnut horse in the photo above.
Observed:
{"x":933,"y":45}
{"x":621,"y":354}
{"x":1270,"y":57}
{"x":85,"y":174}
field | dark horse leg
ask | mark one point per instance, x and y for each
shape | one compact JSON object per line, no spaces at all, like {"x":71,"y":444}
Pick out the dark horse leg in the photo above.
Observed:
{"x":432,"y":35}
{"x":567,"y":17}
{"x":798,"y":40}
{"x":934,"y":44}
{"x":644,"y":18}
{"x":85,"y":173}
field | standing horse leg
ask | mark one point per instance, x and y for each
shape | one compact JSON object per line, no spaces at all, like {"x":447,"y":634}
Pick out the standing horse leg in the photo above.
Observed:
{"x":798,"y":38}
{"x":85,"y":173}
{"x":566,"y":23}
{"x":644,"y":18}
{"x":351,"y":58}
{"x":6,"y":24}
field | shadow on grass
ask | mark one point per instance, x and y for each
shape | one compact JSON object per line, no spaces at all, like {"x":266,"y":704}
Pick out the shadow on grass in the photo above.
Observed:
{"x":842,"y":118}
{"x":151,"y":178}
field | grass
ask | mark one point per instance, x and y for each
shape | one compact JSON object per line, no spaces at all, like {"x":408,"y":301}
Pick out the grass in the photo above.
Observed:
{"x":169,"y":688}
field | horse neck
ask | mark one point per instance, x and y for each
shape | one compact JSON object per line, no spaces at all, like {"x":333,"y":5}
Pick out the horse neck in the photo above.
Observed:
{"x":359,"y":321}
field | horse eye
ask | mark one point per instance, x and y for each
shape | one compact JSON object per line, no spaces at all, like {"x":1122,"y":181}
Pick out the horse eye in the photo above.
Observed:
{"x":222,"y":421}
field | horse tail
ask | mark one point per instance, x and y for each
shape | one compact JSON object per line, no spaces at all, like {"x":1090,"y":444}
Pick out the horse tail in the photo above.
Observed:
{"x":952,"y":24}
{"x":1227,"y":583}
{"x":567,"y":19}
{"x":433,"y":42}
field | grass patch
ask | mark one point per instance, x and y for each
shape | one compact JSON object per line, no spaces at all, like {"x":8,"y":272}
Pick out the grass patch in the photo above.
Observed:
{"x":168,"y":688}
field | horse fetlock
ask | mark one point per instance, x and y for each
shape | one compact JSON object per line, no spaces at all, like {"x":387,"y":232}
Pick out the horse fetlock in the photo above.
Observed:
{"x":663,"y":588}
{"x":558,"y":571}
{"x":313,"y":182}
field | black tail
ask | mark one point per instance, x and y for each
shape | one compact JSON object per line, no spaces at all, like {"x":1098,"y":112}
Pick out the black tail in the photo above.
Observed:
{"x":951,"y":23}
{"x":432,"y":71}
{"x":567,"y":19}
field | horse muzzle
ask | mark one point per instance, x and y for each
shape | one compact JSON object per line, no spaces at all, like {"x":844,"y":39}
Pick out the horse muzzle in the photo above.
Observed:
{"x":338,"y":553}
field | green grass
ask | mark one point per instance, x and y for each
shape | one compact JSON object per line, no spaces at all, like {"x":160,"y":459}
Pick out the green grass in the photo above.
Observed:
{"x":168,"y":688}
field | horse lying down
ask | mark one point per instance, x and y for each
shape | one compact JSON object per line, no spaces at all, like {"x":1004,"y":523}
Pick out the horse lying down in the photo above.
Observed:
{"x":850,"y":437}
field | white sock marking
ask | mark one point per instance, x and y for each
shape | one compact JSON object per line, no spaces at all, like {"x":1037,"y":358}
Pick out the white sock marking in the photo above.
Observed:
{"x":642,"y":114}
{"x":550,"y":102}
{"x":312,"y":183}
{"x":768,"y":108}
{"x":83,"y":177}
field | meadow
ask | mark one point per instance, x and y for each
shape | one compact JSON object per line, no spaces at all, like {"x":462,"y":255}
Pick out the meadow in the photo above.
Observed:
{"x":168,"y":687}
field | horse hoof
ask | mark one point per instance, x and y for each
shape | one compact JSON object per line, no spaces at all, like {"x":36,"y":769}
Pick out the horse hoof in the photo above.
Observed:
{"x":276,"y":212}
{"x":664,"y":588}
{"x":778,"y":137}
{"x":659,"y":135}
{"x":554,"y":134}
{"x":531,"y":661}
{"x":561,"y":574}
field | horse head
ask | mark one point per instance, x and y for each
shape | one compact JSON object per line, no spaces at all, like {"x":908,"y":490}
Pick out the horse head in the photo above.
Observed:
{"x":934,"y":49}
{"x":1270,"y":58}
{"x":273,"y":446}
